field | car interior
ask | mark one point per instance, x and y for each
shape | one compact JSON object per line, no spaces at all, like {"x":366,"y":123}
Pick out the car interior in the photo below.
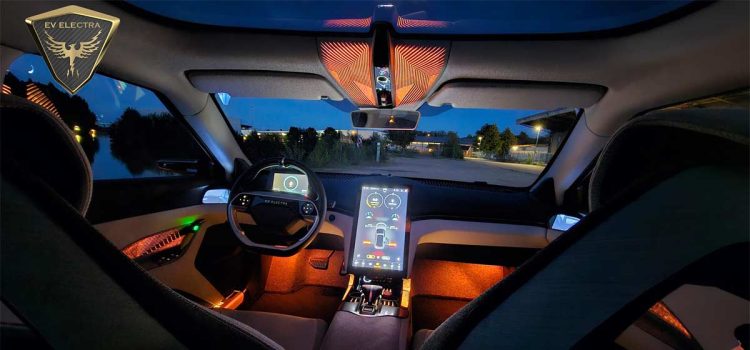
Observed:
{"x":145,"y":211}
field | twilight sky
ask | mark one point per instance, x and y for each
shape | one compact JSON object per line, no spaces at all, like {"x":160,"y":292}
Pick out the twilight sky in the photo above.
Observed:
{"x":108,"y":98}
{"x":276,"y":114}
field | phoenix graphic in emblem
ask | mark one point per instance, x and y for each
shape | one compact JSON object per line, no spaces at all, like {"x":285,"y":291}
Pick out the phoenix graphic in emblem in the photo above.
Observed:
{"x":62,"y":49}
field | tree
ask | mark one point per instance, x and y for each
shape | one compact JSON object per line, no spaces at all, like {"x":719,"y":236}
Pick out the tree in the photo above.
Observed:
{"x":17,"y":87}
{"x":293,"y":137}
{"x":524,"y":139}
{"x":309,"y":140}
{"x":507,"y":140}
{"x":140,"y":141}
{"x":330,"y":136}
{"x":452,"y":148}
{"x":402,"y":138}
{"x":490,"y":141}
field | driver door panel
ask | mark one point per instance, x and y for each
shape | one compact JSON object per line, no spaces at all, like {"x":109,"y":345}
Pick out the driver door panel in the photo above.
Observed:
{"x":180,"y":274}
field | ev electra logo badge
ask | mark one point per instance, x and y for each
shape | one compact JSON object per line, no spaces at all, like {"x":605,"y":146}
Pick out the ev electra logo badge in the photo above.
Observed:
{"x":72,"y":40}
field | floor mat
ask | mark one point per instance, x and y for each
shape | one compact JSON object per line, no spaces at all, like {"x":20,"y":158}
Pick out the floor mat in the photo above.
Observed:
{"x":308,"y":301}
{"x":430,"y":312}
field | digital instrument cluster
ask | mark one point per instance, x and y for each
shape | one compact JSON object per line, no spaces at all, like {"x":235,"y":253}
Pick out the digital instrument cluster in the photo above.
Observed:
{"x":290,"y":183}
{"x":380,"y":233}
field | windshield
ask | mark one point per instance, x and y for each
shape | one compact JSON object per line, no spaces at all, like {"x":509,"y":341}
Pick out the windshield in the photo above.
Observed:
{"x":418,"y":17}
{"x":498,"y":147}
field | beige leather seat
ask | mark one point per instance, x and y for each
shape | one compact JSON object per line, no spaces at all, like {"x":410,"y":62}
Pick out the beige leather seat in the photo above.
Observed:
{"x":291,"y":332}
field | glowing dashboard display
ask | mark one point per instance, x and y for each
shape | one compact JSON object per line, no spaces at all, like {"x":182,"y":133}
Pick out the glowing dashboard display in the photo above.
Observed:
{"x":290,"y":183}
{"x":380,"y":236}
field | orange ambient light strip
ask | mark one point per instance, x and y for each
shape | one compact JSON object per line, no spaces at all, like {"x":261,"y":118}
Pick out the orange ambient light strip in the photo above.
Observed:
{"x":155,"y":243}
{"x":662,"y":311}
{"x":415,"y":69}
{"x":348,"y":22}
{"x":36,"y":95}
{"x":350,"y":63}
{"x":402,"y":22}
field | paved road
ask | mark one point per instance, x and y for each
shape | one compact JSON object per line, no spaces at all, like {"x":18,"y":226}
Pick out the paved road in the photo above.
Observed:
{"x":467,"y":170}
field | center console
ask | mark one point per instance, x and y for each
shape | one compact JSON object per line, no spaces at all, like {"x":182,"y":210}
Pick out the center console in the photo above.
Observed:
{"x":378,"y":251}
{"x":376,"y":303}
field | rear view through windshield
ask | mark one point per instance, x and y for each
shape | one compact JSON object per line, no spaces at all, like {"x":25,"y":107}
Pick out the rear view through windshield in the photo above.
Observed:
{"x":498,"y":147}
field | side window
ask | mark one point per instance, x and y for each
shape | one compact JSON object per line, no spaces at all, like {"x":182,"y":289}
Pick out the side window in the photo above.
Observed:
{"x":125,"y":130}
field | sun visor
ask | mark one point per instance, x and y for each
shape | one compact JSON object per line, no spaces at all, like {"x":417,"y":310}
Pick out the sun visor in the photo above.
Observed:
{"x":497,"y":94}
{"x":265,"y":84}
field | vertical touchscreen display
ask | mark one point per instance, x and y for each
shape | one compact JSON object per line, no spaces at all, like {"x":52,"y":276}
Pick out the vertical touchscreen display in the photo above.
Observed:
{"x":380,"y":236}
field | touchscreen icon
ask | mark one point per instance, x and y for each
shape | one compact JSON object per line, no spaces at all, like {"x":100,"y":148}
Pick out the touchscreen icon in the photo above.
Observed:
{"x":379,"y":238}
{"x":392,"y":201}
{"x":374,"y":200}
{"x":291,"y":183}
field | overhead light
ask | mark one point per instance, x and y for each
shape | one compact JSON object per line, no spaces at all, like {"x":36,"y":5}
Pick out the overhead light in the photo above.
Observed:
{"x":416,"y":68}
{"x":350,"y":63}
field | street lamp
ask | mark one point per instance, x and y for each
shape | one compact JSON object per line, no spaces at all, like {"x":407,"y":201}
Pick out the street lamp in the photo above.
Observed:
{"x":538,"y":129}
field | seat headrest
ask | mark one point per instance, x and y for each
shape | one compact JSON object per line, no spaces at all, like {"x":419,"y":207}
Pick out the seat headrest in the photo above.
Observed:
{"x":653,"y":147}
{"x":33,"y":139}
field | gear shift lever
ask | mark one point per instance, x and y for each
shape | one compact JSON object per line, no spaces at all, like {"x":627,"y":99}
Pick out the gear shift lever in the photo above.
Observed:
{"x":372,"y":292}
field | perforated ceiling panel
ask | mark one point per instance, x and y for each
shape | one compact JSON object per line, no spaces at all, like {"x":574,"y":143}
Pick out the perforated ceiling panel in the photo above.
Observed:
{"x":350,"y":63}
{"x":416,"y":67}
{"x":348,"y":22}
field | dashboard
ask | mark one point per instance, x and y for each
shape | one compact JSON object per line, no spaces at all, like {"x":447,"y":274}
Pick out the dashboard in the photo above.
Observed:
{"x":380,"y":237}
{"x":465,"y":221}
{"x":428,"y":199}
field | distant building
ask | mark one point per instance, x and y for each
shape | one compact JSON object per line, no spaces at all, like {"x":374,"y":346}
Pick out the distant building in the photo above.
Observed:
{"x":557,"y":122}
{"x":245,"y":129}
{"x":431,"y":144}
{"x":529,"y":153}
{"x":346,"y":135}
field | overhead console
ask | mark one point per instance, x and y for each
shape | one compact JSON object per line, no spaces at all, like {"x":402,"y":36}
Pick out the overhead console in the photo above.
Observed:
{"x":384,"y":71}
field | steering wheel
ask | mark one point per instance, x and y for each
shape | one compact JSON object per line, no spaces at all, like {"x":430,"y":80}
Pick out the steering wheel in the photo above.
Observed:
{"x":276,"y":223}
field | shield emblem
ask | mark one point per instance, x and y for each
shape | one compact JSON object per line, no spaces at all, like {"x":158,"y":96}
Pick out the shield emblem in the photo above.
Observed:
{"x":72,"y":41}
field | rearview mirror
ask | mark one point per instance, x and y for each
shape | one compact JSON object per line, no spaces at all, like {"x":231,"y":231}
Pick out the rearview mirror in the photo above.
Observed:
{"x":385,"y":119}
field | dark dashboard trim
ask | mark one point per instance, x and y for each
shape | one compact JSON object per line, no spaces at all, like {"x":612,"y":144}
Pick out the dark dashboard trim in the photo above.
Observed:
{"x":434,"y":200}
